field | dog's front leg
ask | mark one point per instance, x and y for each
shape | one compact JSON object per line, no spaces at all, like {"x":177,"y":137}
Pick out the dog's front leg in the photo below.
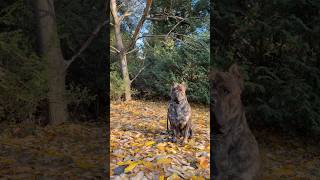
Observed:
{"x":186,"y":134}
{"x":175,"y":134}
{"x":186,"y":128}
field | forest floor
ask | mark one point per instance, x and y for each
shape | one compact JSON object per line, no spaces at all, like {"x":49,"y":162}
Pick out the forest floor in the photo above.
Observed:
{"x":68,"y":151}
{"x":140,"y":148}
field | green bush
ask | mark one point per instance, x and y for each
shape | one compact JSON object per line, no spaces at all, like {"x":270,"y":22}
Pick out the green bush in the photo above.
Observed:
{"x":22,"y":79}
{"x":188,"y":62}
{"x":277,"y":46}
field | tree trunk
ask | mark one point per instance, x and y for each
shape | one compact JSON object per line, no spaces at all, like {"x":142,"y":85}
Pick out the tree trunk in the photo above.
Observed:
{"x":122,"y":54}
{"x":51,"y":52}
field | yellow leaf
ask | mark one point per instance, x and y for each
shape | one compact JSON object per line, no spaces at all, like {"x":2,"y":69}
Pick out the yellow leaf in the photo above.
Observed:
{"x":161,"y":146}
{"x":131,"y":167}
{"x":203,"y":162}
{"x":135,"y":144}
{"x":197,"y":178}
{"x":207,"y":149}
{"x":164,"y":161}
{"x":161,"y":177}
{"x":174,"y":176}
{"x":136,"y":113}
{"x":147,"y":164}
{"x":125,"y":163}
{"x":163,"y":121}
{"x":171,"y":150}
{"x":149,"y":143}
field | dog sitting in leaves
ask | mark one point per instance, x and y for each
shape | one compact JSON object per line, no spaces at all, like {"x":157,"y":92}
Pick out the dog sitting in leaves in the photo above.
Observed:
{"x":235,"y":148}
{"x":179,"y":113}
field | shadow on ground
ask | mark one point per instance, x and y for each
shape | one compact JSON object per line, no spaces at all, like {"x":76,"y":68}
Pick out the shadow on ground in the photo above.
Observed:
{"x":73,"y":151}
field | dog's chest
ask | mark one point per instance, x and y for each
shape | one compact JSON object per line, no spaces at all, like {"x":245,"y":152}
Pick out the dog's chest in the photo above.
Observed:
{"x":177,"y":112}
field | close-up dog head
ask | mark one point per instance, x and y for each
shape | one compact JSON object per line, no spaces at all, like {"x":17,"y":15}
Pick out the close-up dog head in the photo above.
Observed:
{"x":226,"y":88}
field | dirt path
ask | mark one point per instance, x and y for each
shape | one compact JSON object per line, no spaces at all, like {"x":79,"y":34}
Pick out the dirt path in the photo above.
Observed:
{"x":141,"y":149}
{"x":70,"y":151}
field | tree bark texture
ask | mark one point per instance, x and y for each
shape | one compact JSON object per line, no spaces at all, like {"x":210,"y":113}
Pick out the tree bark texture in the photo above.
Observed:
{"x":51,"y":52}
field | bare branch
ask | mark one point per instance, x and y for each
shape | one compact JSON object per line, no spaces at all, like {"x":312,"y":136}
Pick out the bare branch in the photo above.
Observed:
{"x":152,"y":35}
{"x":113,"y":7}
{"x":175,"y":26}
{"x":127,"y":13}
{"x":156,"y":18}
{"x":140,"y":24}
{"x":86,"y":43}
{"x":164,"y":17}
{"x":137,"y":74}
{"x":135,"y":49}
{"x":114,"y":49}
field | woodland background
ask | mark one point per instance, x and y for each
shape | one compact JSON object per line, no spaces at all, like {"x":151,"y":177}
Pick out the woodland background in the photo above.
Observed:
{"x":53,"y":89}
{"x":172,"y":46}
{"x":277,"y":44}
{"x":24,"y":75}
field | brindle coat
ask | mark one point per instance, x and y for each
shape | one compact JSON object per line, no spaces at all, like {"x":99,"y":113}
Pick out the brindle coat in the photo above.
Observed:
{"x":235,"y":149}
{"x":179,"y":113}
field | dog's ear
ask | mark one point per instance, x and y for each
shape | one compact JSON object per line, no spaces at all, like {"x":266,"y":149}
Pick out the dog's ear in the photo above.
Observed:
{"x":184,"y":84}
{"x":235,"y":70}
{"x":175,"y":84}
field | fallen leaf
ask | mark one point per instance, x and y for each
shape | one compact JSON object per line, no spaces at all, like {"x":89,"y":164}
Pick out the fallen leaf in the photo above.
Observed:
{"x":131,"y":167}
{"x":161,"y":146}
{"x":147,"y":164}
{"x":125,"y":163}
{"x":203,"y":162}
{"x":139,"y":176}
{"x":197,"y":178}
{"x":161,"y":177}
{"x":149,"y":143}
{"x":118,"y":170}
{"x":174,"y":176}
{"x":164,"y":161}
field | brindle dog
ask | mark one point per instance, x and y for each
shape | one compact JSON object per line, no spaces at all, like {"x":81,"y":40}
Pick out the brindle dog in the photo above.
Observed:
{"x":235,"y":149}
{"x":179,"y":113}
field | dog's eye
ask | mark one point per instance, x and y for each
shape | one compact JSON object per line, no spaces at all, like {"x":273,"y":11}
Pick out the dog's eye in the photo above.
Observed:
{"x":225,"y":91}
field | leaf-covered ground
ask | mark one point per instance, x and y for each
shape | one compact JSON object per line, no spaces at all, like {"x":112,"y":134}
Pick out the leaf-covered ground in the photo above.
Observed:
{"x":140,"y":149}
{"x":69,"y":151}
{"x":288,"y":157}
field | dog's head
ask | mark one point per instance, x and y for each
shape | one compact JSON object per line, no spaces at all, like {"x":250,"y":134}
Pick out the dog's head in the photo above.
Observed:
{"x":178,"y":92}
{"x":226,"y":88}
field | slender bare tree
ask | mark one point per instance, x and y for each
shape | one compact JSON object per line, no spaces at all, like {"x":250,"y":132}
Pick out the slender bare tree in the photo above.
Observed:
{"x":120,"y":48}
{"x":57,"y":65}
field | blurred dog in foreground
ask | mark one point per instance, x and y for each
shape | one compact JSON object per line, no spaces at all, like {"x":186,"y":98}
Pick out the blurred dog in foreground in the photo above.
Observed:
{"x":235,"y":149}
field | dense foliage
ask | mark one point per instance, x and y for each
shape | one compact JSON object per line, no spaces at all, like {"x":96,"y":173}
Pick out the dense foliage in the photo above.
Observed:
{"x":22,"y":74}
{"x":187,"y":62}
{"x":277,"y":44}
{"x":23,"y":77}
{"x":181,"y":55}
